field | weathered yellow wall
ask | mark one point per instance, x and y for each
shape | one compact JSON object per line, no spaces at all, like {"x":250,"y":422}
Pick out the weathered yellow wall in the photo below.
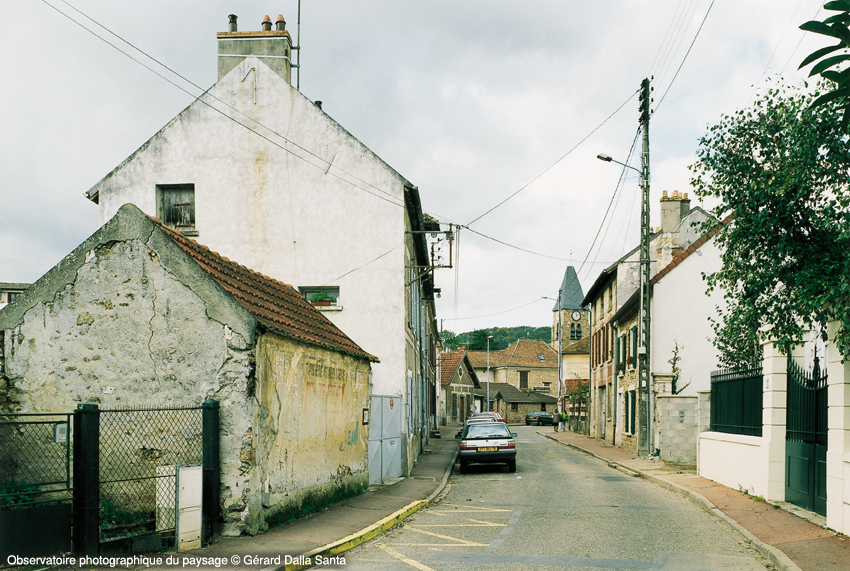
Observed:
{"x":309,"y":446}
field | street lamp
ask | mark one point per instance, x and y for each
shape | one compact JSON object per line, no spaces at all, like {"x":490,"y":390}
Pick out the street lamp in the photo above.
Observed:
{"x":644,"y":317}
{"x":488,"y":372}
{"x":560,"y":355}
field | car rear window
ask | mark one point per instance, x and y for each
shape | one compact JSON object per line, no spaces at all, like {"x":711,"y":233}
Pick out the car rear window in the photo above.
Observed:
{"x":488,"y":431}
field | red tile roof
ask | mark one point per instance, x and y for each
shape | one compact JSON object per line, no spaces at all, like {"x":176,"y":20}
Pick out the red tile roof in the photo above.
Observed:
{"x":524,"y":353}
{"x":478,"y":359}
{"x":449,"y":362}
{"x":276,"y":305}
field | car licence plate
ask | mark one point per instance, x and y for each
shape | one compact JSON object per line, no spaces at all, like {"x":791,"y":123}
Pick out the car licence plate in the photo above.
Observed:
{"x":488,"y":449}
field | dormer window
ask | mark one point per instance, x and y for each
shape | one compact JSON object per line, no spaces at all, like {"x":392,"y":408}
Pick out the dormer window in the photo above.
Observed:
{"x":322,"y":297}
{"x":541,"y":357}
{"x":175,"y":207}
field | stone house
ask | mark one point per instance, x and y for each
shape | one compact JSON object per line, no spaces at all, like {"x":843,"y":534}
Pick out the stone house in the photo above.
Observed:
{"x":139,"y":314}
{"x":261,"y":174}
{"x":513,"y":404}
{"x":528,"y":364}
{"x":458,"y":382}
{"x":483,"y":364}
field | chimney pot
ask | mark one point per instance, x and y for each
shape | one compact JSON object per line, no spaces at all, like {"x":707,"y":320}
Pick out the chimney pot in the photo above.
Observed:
{"x":231,"y":19}
{"x":267,"y":23}
{"x":664,"y":194}
{"x":280,"y":23}
{"x":318,"y":104}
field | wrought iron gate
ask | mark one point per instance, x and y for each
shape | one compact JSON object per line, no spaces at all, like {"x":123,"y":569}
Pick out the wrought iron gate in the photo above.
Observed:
{"x":35,"y":484}
{"x":806,"y":438}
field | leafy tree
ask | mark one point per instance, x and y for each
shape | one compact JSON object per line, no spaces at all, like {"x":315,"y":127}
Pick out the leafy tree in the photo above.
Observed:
{"x":780,"y":172}
{"x":450,"y":340}
{"x":830,"y":67}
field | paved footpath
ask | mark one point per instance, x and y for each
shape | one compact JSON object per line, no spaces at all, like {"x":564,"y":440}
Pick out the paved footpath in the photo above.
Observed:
{"x":789,"y":541}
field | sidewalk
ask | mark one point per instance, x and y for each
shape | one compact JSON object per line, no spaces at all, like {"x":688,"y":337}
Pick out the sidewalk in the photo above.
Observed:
{"x":338,"y":528}
{"x":790,"y":542}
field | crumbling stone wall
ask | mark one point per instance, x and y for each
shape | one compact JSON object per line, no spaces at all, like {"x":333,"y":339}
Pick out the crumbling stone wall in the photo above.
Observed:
{"x":123,"y":330}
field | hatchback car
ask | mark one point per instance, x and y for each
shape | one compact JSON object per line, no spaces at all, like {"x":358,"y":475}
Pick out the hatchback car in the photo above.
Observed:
{"x":487,"y":443}
{"x":495,"y":415}
{"x":540,"y":417}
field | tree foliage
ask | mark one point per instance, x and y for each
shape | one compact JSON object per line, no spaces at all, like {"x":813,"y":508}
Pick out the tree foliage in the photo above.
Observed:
{"x":780,"y":172}
{"x":831,"y":65}
{"x":502,"y":337}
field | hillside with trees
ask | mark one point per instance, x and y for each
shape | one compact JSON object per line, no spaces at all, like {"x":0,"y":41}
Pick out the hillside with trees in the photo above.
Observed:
{"x":502,"y":337}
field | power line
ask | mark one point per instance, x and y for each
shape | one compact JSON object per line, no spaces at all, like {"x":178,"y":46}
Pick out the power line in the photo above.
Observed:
{"x":686,"y":55}
{"x":556,"y":162}
{"x":584,"y":262}
{"x":391,"y":199}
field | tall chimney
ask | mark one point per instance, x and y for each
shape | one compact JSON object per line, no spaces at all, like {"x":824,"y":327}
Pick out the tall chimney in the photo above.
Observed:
{"x":671,"y":212}
{"x":272,"y":47}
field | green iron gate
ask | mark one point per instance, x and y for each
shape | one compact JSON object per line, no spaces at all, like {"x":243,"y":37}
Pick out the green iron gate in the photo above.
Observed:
{"x":806,"y":438}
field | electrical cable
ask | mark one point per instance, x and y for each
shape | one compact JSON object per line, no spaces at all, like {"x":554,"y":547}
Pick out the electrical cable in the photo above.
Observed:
{"x":391,"y":198}
{"x":556,"y":162}
{"x":590,"y":250}
{"x":802,"y":37}
{"x":686,"y":55}
{"x":199,"y":99}
{"x":677,"y":34}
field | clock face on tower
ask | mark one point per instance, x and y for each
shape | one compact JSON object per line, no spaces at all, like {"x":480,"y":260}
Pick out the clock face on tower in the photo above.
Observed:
{"x":576,"y":315}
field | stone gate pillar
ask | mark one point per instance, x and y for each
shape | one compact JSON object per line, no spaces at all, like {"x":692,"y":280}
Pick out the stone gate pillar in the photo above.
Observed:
{"x":838,"y":438}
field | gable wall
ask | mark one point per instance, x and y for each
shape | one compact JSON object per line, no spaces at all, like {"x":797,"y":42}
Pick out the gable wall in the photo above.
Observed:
{"x":124,"y":331}
{"x":680,"y":315}
{"x":283,"y":216}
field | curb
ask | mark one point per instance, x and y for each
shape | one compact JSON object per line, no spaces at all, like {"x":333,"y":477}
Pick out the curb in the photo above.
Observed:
{"x":351,"y":541}
{"x":771,"y":553}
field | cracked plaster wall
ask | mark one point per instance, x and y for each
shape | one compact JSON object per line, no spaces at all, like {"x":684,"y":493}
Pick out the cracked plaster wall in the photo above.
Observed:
{"x":127,"y":332}
{"x":309,"y":429}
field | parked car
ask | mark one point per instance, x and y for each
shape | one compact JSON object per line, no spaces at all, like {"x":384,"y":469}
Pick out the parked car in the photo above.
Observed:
{"x":540,"y":417}
{"x":487,"y":443}
{"x":498,"y":417}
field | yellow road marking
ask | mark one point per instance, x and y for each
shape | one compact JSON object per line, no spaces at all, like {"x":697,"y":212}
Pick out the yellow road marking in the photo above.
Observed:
{"x":459,"y":541}
{"x":476,"y":523}
{"x":401,"y":557}
{"x":472,"y":509}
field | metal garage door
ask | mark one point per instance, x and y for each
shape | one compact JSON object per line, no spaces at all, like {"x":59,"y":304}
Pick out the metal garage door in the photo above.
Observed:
{"x":385,"y":438}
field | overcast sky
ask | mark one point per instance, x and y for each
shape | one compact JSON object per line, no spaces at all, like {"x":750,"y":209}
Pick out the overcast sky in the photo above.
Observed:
{"x":470,"y":100}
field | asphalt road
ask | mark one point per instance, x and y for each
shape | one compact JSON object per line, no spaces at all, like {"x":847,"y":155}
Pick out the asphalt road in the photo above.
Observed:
{"x":561,"y":510}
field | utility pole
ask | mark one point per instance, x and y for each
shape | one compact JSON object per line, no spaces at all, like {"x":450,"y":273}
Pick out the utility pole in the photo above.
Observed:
{"x":643,"y":337}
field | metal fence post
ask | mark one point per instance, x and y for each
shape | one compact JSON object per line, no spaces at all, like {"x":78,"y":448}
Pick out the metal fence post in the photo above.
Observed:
{"x":211,"y":510}
{"x":86,"y":476}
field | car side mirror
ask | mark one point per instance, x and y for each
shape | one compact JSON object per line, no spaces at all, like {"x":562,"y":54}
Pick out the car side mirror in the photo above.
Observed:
{"x":513,"y":434}
{"x":457,"y":435}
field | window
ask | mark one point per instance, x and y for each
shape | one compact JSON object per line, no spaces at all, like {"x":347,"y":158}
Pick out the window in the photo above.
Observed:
{"x":12,"y":295}
{"x":523,"y":379}
{"x":543,"y":407}
{"x":322,"y":297}
{"x":454,"y":405}
{"x":541,"y":357}
{"x":514,"y":406}
{"x":633,"y":354}
{"x":460,"y":372}
{"x":630,"y":421}
{"x":175,"y":207}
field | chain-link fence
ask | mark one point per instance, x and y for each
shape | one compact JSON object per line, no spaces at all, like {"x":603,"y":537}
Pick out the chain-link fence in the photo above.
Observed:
{"x":140,"y":450}
{"x":35,"y":459}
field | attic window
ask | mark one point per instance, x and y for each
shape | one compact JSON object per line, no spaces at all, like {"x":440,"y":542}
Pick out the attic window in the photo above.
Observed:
{"x":175,"y":207}
{"x":323,"y":298}
{"x":541,"y":357}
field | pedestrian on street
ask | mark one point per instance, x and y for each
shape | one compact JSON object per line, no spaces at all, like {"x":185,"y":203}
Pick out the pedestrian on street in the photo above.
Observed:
{"x":555,"y":418}
{"x":564,"y":421}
